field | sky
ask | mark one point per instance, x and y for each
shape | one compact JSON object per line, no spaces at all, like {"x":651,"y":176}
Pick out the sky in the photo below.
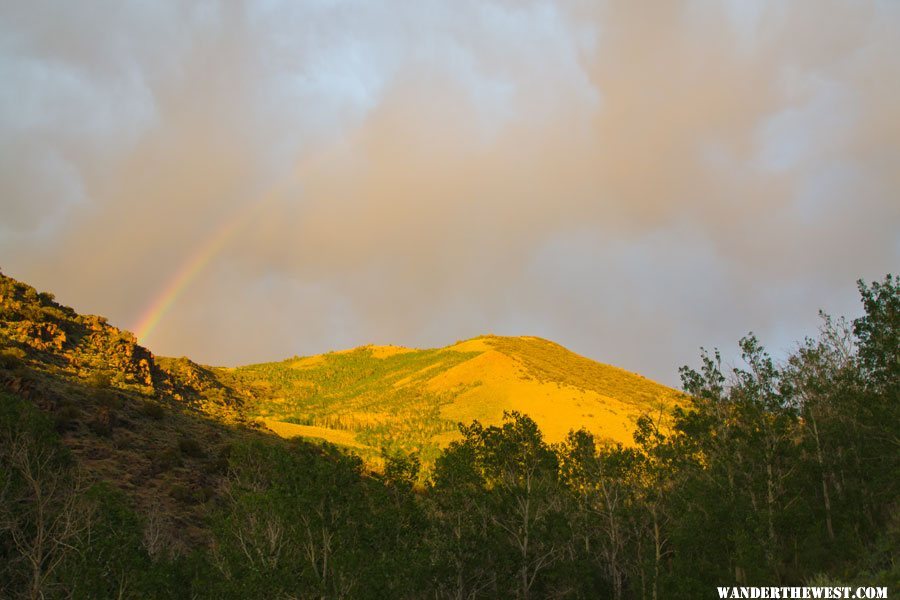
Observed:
{"x":243,"y":182}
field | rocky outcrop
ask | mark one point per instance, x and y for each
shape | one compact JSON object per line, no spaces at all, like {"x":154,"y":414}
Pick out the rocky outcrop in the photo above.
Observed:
{"x":82,"y":345}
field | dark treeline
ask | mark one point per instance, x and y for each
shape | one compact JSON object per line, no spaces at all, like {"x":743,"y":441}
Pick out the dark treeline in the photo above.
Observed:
{"x":770,"y":474}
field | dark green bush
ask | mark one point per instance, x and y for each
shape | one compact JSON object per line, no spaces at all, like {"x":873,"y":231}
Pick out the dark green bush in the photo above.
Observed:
{"x":66,"y":418}
{"x":108,"y":398}
{"x":12,"y":358}
{"x":104,"y":421}
{"x":165,"y":460}
{"x":154,"y":410}
{"x":190,"y":447}
{"x":99,"y":379}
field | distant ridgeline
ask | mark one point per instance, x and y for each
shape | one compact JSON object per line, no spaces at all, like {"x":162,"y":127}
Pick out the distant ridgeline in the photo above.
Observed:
{"x":498,"y":467}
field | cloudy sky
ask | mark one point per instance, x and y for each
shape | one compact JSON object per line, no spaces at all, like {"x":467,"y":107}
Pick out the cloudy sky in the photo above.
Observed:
{"x":245,"y":182}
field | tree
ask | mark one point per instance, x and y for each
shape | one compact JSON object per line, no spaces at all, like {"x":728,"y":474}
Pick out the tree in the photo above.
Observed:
{"x":602,"y":484}
{"x":521,"y":477}
{"x":43,"y":510}
{"x":822,"y":374}
{"x":462,"y":551}
{"x":878,"y":332}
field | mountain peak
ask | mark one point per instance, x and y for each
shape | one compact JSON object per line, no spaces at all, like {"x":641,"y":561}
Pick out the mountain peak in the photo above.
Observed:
{"x":392,"y":396}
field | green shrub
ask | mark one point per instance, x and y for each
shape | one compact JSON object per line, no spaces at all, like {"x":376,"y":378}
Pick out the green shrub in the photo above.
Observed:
{"x":190,"y":447}
{"x":154,"y":410}
{"x":12,"y":358}
{"x":187,"y":495}
{"x":165,"y":460}
{"x":104,"y":421}
{"x":99,"y":379}
{"x":66,"y":418}
{"x":51,"y":313}
{"x":108,"y":398}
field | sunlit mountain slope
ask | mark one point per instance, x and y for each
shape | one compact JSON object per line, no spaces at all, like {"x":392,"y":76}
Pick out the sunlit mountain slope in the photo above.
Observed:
{"x":363,"y":399}
{"x":401,"y":398}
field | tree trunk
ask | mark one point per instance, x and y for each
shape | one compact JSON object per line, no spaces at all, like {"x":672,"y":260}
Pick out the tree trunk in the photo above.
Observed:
{"x":657,"y":556}
{"x":825,"y":495}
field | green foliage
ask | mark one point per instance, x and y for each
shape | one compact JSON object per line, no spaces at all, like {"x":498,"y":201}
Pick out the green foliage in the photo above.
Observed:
{"x":878,"y":331}
{"x":110,"y":561}
{"x":190,"y":447}
{"x":62,"y":536}
{"x":101,"y":380}
{"x":401,"y":470}
{"x":59,"y":535}
{"x":154,"y":410}
{"x":309,"y":525}
{"x":12,"y":358}
{"x":44,"y":512}
{"x":507,"y":512}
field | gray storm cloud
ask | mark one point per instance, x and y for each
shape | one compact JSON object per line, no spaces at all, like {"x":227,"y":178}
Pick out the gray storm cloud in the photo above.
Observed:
{"x":630,"y":182}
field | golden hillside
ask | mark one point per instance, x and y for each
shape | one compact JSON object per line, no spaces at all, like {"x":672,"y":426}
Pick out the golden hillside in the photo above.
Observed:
{"x":363,"y":399}
{"x":402,"y":398}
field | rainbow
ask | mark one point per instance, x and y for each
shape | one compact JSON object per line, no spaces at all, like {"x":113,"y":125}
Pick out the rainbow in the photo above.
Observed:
{"x":202,"y":256}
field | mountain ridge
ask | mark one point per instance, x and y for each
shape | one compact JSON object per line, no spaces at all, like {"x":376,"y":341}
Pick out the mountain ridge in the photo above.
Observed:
{"x":365,"y":399}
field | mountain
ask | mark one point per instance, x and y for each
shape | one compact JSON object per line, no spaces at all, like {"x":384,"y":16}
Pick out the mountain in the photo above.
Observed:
{"x":363,"y":399}
{"x":161,"y":429}
{"x":391,"y":397}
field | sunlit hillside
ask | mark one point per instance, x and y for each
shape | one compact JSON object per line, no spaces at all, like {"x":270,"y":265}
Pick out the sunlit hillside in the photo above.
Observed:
{"x":364,"y":399}
{"x":400,"y":398}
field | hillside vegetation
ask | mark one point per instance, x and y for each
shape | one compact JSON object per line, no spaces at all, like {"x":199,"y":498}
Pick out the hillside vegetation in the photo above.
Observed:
{"x":157,"y":429}
{"x":411,"y":400}
{"x":124,"y":475}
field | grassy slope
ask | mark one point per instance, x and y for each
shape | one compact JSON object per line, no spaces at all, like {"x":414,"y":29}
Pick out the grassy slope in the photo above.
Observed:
{"x":398,"y":398}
